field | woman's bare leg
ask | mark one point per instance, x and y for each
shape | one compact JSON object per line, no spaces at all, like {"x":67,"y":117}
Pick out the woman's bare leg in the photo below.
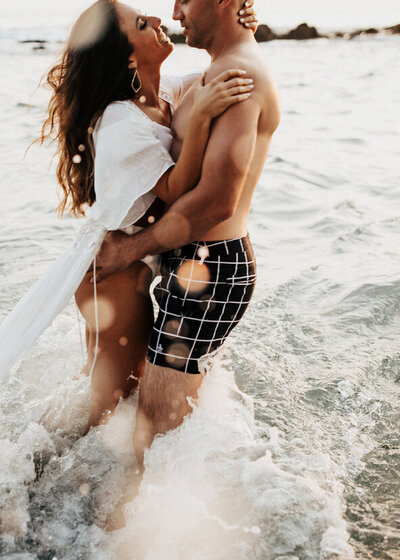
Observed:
{"x":125,"y":317}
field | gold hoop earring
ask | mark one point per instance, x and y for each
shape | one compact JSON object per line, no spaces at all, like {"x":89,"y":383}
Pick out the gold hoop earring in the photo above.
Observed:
{"x":136,"y":83}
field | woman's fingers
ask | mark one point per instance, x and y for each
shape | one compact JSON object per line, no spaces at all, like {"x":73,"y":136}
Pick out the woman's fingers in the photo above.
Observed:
{"x":232,"y":100}
{"x":232,"y":86}
{"x":249,"y":21}
{"x":240,"y":89}
{"x":235,"y":82}
{"x":248,"y":16}
{"x":227,"y":75}
{"x":239,"y":98}
{"x":202,"y":78}
{"x":248,"y":12}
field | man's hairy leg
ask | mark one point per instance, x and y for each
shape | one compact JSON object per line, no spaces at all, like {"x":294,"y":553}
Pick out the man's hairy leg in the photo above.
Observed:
{"x":163,"y":403}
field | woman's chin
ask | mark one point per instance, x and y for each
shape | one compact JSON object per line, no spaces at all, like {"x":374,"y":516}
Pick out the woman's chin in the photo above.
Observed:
{"x":169,"y":48}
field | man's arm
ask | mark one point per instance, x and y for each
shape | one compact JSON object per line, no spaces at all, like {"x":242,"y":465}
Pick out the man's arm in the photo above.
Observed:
{"x":226,"y":163}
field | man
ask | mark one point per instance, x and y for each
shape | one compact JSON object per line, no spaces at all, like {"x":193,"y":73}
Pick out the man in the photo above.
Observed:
{"x":206,"y":283}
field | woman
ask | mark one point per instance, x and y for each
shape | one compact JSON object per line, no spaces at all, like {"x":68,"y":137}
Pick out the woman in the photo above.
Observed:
{"x":110,"y":115}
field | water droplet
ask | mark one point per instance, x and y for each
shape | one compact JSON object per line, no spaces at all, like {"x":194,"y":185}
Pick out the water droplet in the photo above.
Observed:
{"x":90,"y":130}
{"x":207,"y":303}
{"x":151,"y":219}
{"x":203,"y":253}
{"x":142,"y":99}
{"x":89,"y":28}
{"x":193,"y":277}
{"x":77,"y":158}
{"x":81,"y":147}
{"x":84,"y":489}
{"x":176,"y":354}
{"x":106,"y":312}
{"x":174,"y":327}
{"x":123,"y":341}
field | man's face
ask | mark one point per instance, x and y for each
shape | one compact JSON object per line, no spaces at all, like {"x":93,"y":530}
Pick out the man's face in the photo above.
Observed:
{"x":198,"y":19}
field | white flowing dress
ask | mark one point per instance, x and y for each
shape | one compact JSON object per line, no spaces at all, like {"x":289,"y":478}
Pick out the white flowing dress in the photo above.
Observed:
{"x":131,"y":154}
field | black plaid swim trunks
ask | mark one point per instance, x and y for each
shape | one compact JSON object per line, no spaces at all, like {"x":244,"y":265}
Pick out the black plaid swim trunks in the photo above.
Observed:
{"x":205,"y":289}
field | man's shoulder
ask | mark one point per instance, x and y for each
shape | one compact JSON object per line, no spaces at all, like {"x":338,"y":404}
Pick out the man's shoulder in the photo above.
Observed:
{"x":265,"y":93}
{"x":253,"y":63}
{"x":246,"y":57}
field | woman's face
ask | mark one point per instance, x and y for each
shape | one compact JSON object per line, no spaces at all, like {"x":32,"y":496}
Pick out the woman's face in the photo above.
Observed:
{"x":150,"y":44}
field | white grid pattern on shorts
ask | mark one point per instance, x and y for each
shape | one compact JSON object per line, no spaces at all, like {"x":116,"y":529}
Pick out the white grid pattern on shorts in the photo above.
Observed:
{"x":204,"y":317}
{"x":247,"y":269}
{"x":223,"y":309}
{"x":240,"y":281}
{"x":251,"y":277}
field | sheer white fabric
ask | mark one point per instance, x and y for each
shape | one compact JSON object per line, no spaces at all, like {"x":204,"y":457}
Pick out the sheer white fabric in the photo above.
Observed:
{"x":131,"y":154}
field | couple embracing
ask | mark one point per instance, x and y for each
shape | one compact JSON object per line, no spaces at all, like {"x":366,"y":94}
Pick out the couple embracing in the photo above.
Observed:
{"x":164,"y":170}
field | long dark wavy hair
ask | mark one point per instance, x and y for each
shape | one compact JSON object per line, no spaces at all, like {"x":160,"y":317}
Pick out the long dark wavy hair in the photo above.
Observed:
{"x":92,"y":73}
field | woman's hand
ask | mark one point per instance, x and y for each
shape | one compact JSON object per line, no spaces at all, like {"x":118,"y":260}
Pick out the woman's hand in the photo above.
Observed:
{"x":248,"y":16}
{"x":211,"y":100}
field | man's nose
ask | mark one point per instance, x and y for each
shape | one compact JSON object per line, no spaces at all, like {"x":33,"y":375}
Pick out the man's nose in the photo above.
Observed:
{"x":177,"y":14}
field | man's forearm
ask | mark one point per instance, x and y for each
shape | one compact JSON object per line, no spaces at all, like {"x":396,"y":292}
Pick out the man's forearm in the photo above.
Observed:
{"x":187,"y":220}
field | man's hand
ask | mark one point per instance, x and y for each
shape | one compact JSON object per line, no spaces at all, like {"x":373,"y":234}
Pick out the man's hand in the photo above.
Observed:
{"x":112,"y":256}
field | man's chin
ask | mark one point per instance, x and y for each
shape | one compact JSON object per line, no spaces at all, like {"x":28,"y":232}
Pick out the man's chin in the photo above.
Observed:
{"x":192,"y":42}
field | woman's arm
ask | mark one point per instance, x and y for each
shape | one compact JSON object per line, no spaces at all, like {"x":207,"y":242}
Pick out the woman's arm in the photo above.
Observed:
{"x":209,"y":102}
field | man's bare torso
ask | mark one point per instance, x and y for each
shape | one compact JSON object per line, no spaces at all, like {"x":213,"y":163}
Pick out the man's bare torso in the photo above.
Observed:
{"x":266,"y":96}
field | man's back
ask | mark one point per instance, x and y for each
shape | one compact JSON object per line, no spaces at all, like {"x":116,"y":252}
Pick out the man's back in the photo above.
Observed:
{"x":241,"y":137}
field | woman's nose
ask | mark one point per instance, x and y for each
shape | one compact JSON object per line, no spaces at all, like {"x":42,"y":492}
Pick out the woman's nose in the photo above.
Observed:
{"x":155,"y":22}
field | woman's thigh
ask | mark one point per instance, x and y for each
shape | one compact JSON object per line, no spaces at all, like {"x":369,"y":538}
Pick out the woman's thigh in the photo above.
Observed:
{"x":120,"y":298}
{"x":125,"y":319}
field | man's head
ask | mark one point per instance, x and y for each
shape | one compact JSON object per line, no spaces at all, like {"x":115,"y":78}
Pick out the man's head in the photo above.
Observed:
{"x":203,"y":20}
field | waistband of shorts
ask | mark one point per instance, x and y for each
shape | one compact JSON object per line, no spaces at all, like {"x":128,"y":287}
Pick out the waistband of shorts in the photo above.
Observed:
{"x":223,"y":247}
{"x":233,"y":241}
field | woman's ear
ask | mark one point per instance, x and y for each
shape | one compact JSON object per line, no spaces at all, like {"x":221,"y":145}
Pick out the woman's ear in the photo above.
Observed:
{"x":132,"y":63}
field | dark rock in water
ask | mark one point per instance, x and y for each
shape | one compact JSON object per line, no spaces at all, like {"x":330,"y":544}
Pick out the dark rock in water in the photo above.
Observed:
{"x":177,"y":38}
{"x":264,"y":33}
{"x":40,"y":41}
{"x":355,"y":33}
{"x":393,"y":29}
{"x":302,"y":31}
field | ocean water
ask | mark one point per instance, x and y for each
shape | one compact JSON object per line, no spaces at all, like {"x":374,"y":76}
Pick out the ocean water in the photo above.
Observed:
{"x":50,"y":17}
{"x":293,"y":451}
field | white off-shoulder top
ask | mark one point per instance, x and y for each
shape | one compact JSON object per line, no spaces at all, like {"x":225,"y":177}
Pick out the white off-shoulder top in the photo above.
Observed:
{"x":131,"y":154}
